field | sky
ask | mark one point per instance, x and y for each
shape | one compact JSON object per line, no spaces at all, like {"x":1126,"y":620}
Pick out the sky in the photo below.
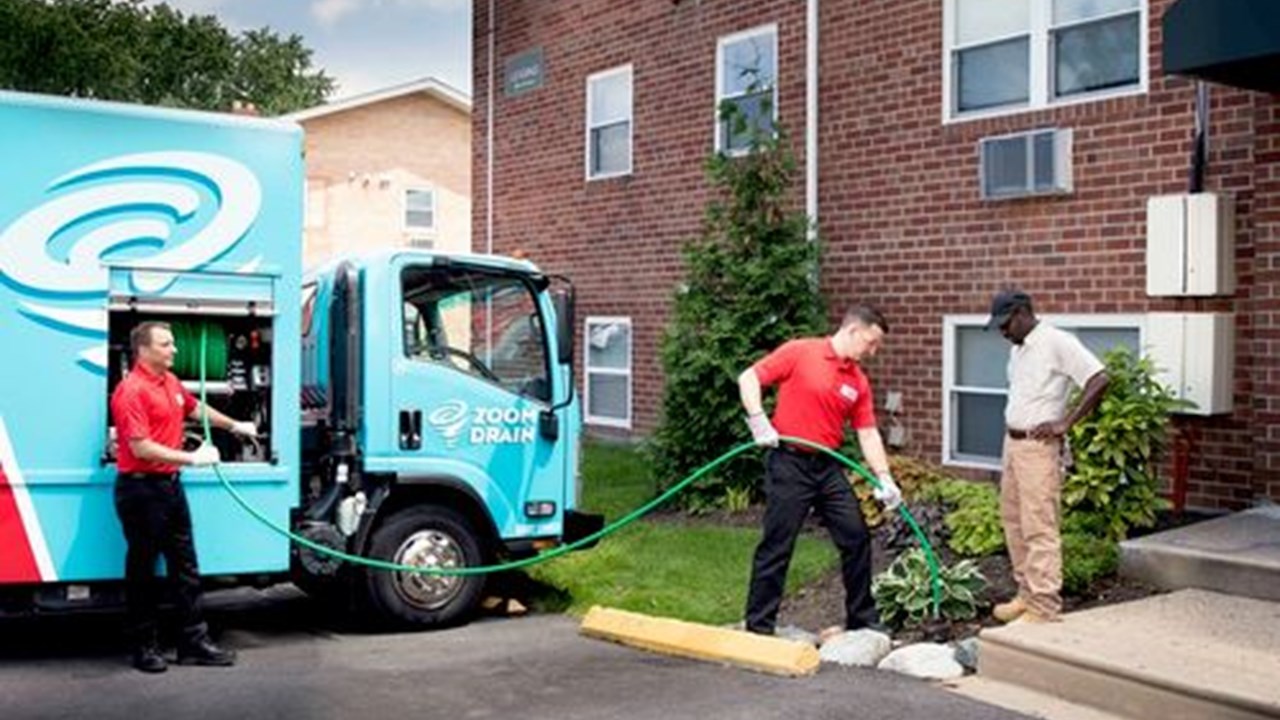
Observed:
{"x":363,"y":44}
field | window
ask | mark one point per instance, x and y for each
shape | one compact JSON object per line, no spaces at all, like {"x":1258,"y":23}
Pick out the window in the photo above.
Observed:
{"x":1003,"y":55}
{"x":746,"y":77}
{"x":976,"y":384}
{"x":480,"y":324}
{"x":609,"y":123}
{"x":419,"y":210}
{"x":608,"y":371}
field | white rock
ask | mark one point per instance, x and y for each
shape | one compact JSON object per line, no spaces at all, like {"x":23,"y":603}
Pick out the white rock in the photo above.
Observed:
{"x":791,"y":632}
{"x":930,"y":661}
{"x":858,"y":648}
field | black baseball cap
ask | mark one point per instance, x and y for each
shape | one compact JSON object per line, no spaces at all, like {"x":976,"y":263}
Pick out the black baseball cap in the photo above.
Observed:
{"x":1004,"y":304}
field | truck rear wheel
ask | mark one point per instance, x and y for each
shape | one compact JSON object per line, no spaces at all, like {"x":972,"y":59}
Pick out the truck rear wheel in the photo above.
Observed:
{"x":429,"y":536}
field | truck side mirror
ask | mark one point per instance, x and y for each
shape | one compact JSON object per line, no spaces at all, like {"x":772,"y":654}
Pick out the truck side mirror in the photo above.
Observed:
{"x":564,"y":306}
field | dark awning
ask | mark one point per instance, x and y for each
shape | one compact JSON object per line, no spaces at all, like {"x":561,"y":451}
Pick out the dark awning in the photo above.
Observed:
{"x":1231,"y":42}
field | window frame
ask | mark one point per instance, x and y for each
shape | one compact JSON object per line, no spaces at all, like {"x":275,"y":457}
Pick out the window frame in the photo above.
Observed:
{"x":629,"y":71}
{"x":587,"y":371}
{"x":404,"y":211}
{"x":1040,"y":63}
{"x":952,"y":323}
{"x":721,"y":43}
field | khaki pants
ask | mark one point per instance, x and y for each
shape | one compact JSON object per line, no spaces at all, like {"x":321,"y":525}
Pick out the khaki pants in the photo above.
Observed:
{"x":1030,"y":494}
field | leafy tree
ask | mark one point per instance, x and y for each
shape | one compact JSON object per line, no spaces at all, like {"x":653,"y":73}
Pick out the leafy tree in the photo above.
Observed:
{"x":156,"y":55}
{"x":750,"y":287}
{"x":1118,"y":450}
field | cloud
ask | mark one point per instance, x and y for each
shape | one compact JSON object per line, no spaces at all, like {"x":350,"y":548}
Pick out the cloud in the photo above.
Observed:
{"x":193,"y":7}
{"x":329,"y":12}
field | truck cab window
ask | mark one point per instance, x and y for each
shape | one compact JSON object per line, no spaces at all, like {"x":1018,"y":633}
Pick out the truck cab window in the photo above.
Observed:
{"x":482,"y":324}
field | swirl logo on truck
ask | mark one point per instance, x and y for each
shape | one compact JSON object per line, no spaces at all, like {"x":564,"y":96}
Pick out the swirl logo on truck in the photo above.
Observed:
{"x":127,"y":210}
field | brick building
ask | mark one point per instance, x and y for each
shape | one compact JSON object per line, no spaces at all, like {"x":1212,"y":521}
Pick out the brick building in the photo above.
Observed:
{"x":388,"y":168}
{"x":960,"y":145}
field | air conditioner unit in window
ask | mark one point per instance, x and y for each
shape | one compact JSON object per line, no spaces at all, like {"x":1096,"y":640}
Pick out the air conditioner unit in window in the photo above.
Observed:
{"x":1025,"y":164}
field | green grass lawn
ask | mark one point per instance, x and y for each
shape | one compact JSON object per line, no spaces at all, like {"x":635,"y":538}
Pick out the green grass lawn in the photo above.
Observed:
{"x":690,"y":571}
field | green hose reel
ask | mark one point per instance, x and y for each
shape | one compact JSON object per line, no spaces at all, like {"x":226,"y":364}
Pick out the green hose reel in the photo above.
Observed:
{"x":187,"y":336}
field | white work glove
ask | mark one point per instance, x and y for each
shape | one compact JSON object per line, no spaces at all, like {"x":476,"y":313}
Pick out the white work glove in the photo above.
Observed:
{"x":762,"y":430}
{"x":206,"y":454}
{"x":244,"y":428}
{"x":888,"y":494}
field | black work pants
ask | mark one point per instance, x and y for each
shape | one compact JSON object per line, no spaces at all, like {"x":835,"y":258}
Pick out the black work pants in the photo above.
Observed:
{"x":157,"y":522}
{"x":796,"y":482}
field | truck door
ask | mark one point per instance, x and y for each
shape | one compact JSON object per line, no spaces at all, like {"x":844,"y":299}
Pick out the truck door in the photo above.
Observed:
{"x":470,"y":378}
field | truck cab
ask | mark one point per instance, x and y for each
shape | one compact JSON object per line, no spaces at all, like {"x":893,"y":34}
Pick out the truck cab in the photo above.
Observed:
{"x":440,"y":424}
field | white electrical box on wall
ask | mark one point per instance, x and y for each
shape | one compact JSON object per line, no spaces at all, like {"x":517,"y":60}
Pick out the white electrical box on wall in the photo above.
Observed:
{"x":1191,"y":245}
{"x":1195,"y":355}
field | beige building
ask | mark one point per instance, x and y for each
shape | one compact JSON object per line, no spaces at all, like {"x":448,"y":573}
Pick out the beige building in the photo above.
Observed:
{"x":388,"y":168}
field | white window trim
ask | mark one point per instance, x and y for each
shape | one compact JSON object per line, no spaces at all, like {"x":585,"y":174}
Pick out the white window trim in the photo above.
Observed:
{"x":950,"y":323}
{"x":421,"y":230}
{"x":1041,"y":18}
{"x":720,"y":96}
{"x":587,"y":371}
{"x":631,"y":123}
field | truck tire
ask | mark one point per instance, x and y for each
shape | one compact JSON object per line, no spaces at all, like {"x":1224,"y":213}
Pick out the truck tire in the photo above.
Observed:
{"x":428,"y":536}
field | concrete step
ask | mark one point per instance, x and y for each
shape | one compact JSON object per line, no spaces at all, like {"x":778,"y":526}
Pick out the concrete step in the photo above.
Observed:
{"x":1189,"y":655}
{"x":1238,"y":554}
{"x":1024,"y":700}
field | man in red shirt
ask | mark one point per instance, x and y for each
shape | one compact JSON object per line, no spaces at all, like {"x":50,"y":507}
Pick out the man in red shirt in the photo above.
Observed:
{"x":149,"y":407}
{"x":820,"y":388}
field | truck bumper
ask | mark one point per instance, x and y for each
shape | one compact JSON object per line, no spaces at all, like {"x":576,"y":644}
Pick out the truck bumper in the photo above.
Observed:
{"x":578,"y":525}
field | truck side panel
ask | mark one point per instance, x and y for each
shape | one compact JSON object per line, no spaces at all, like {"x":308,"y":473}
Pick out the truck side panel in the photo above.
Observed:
{"x":94,"y":199}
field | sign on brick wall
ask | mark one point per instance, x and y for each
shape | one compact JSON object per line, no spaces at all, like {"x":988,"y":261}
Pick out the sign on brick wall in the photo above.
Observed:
{"x":523,"y":73}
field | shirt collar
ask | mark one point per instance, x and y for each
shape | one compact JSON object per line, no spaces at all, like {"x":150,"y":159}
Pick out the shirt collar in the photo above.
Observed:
{"x":831,"y":354}
{"x":149,"y":374}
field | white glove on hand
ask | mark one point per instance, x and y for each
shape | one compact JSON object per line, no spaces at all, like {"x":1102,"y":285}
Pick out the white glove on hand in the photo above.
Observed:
{"x":244,"y":428}
{"x":762,"y":430}
{"x":206,"y":454}
{"x":888,"y":494}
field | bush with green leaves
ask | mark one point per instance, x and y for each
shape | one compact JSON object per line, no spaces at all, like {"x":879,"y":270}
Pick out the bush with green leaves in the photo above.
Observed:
{"x":1118,"y":449}
{"x":904,"y":592}
{"x":1085,"y":559}
{"x":973,"y":518}
{"x":749,"y":287}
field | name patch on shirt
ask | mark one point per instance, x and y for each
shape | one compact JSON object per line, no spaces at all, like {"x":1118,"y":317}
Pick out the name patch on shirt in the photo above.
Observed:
{"x":177,"y":399}
{"x":849,"y":393}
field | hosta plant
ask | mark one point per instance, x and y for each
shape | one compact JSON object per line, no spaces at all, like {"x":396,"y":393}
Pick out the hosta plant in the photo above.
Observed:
{"x":904,"y":592}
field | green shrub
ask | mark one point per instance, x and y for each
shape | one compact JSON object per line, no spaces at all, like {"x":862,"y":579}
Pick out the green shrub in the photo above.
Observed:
{"x":904,"y":592}
{"x":749,"y":287}
{"x":1118,"y":449}
{"x":1085,"y":559}
{"x":974,"y":517}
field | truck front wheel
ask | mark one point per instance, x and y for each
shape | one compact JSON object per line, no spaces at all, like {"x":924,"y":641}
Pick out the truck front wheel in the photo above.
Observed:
{"x":428,"y":537}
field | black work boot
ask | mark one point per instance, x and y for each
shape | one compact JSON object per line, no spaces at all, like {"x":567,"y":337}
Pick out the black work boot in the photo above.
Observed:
{"x":147,"y":658}
{"x":202,"y":651}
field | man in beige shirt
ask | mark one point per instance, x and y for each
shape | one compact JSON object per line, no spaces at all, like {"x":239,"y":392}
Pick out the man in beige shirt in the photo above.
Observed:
{"x":1044,"y":364}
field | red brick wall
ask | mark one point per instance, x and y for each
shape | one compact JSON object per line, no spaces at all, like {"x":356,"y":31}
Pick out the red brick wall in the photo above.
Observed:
{"x":899,"y":202}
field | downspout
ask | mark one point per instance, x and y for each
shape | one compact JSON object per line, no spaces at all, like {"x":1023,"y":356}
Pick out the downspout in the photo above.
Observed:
{"x":488,"y":150}
{"x":811,"y":118}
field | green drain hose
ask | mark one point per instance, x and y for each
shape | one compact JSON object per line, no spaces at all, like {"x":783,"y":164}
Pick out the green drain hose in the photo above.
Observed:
{"x":935,"y":573}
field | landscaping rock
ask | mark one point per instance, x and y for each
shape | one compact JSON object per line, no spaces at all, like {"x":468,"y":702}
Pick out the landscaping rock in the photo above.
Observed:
{"x":858,"y":648}
{"x":791,"y":632}
{"x":929,"y":661}
{"x":967,"y":653}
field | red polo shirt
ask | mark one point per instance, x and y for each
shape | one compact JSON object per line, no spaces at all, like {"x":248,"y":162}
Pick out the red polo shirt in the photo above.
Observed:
{"x":149,"y":406}
{"x":817,"y":391}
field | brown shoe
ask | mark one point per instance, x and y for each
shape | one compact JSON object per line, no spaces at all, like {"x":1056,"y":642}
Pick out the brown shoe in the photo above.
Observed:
{"x":1031,"y":617}
{"x":1009,"y":611}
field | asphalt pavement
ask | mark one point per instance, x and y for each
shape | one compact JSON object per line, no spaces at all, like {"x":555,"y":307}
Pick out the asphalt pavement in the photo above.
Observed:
{"x":293,"y":664}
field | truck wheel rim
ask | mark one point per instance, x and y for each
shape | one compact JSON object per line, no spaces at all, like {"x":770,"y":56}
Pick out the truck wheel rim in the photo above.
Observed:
{"x":434,"y":549}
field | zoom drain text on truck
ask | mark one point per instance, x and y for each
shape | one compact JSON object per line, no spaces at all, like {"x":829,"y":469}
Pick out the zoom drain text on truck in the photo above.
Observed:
{"x":412,"y":407}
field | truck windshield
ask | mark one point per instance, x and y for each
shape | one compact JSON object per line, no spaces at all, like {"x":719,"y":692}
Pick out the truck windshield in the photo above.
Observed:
{"x":483,"y":324}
